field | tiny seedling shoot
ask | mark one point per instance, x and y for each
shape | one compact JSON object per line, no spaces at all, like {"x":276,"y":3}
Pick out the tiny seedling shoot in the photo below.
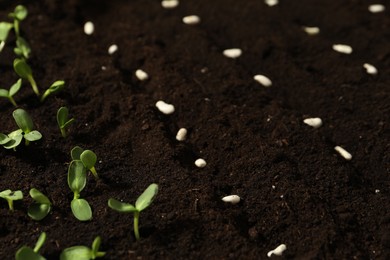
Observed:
{"x":142,"y":203}
{"x":63,"y":120}
{"x":87,"y":157}
{"x":27,"y":253}
{"x":24,"y":71}
{"x":83,"y":252}
{"x":41,"y":207}
{"x":10,"y":196}
{"x":11,"y":92}
{"x":26,"y":126}
{"x":54,"y":88}
{"x":77,"y":179}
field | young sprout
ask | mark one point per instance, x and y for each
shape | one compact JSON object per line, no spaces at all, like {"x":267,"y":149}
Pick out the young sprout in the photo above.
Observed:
{"x":24,"y":71}
{"x":142,"y":203}
{"x":77,"y":179}
{"x":4,"y":30}
{"x":24,"y":121}
{"x":54,"y":88}
{"x":83,"y":252}
{"x":27,"y":253}
{"x":41,"y":207}
{"x":87,"y":157}
{"x":63,"y":120}
{"x":10,"y":196}
{"x":22,"y":48}
{"x":19,"y":14}
{"x":11,"y":92}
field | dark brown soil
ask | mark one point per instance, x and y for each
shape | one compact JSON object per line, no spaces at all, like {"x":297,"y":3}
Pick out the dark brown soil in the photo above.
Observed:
{"x":253,"y":138}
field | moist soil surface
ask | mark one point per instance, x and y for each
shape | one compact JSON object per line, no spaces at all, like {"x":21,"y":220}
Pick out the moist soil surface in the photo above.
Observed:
{"x":295,"y":188}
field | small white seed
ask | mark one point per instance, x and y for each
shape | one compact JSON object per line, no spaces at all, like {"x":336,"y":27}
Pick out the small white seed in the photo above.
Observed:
{"x":181,"y":134}
{"x":89,"y":28}
{"x":233,"y":199}
{"x":112,"y":49}
{"x":315,"y":122}
{"x":169,"y":4}
{"x":200,"y":163}
{"x":141,"y":75}
{"x":165,"y":108}
{"x":342,"y":48}
{"x":346,"y":155}
{"x":311,"y":30}
{"x":277,"y":251}
{"x":370,"y":69}
{"x":271,"y":2}
{"x":263,"y":80}
{"x":232,"y":53}
{"x":191,"y":19}
{"x":377,"y":8}
{"x":377,"y":191}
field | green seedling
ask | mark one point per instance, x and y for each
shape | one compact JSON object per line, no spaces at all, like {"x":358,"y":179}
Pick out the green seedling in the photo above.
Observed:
{"x":11,"y":92}
{"x":19,"y":14}
{"x":63,"y":120}
{"x":27,"y":253}
{"x":87,"y":157}
{"x":83,"y":252}
{"x":77,"y":179}
{"x":41,"y":207}
{"x":10,"y":196}
{"x":5,"y":28}
{"x":142,"y":203}
{"x":24,"y":71}
{"x":22,"y":48}
{"x":54,"y":88}
{"x":25,"y":123}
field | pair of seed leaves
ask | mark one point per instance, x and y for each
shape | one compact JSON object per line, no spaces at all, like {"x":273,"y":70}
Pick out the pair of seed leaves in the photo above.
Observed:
{"x":71,"y":253}
{"x":11,"y":92}
{"x":63,"y":120}
{"x":26,"y":126}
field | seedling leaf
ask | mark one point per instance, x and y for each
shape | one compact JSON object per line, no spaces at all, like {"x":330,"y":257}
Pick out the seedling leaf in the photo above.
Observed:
{"x":15,"y":87}
{"x":33,"y":135}
{"x":4,"y":93}
{"x":76,"y":152}
{"x":76,"y":252}
{"x":54,"y":88}
{"x":22,"y":48}
{"x":88,"y":158}
{"x":16,"y":138}
{"x":120,"y":206}
{"x":38,"y":211}
{"x":23,"y":120}
{"x":22,"y":68}
{"x":10,"y":196}
{"x":81,"y":209}
{"x":40,"y":242}
{"x":146,"y":197}
{"x":39,"y":196}
{"x":62,"y":116}
{"x":4,"y":139}
{"x":25,"y":253}
{"x":95,"y":248}
{"x":20,"y":12}
{"x":77,"y":178}
{"x":4,"y":30}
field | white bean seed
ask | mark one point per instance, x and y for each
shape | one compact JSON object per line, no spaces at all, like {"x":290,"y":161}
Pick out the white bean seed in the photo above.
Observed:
{"x":315,"y":122}
{"x":112,"y":49}
{"x":277,"y":251}
{"x":311,"y":30}
{"x":233,"y":199}
{"x":141,"y":75}
{"x":232,"y":53}
{"x":181,"y":134}
{"x":346,"y":155}
{"x":263,"y":80}
{"x":200,"y":163}
{"x":271,"y":2}
{"x":169,"y":4}
{"x":342,"y":48}
{"x":370,"y":69}
{"x":191,"y":19}
{"x":89,"y":28}
{"x":376,"y":8}
{"x":165,"y":108}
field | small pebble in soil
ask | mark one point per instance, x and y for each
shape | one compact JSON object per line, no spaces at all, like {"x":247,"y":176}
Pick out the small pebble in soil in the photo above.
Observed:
{"x":273,"y":187}
{"x":377,"y":191}
{"x":233,"y":199}
{"x":89,"y":28}
{"x":169,"y":4}
{"x":165,"y":108}
{"x":232,"y":53}
{"x":112,"y":49}
{"x":346,"y":155}
{"x":181,"y":134}
{"x":311,"y":30}
{"x":141,"y":75}
{"x":277,"y":251}
{"x":342,"y":48}
{"x":200,"y":163}
{"x":191,"y":19}
{"x":271,"y":2}
{"x":376,"y":8}
{"x":315,"y":122}
{"x":104,"y":67}
{"x":370,"y":69}
{"x":263,"y":80}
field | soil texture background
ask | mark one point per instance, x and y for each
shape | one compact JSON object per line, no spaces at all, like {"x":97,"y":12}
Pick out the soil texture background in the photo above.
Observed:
{"x":295,"y":188}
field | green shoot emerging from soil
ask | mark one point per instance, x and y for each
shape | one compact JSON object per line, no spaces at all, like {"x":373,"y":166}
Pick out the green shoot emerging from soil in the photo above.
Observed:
{"x":11,"y":92}
{"x":26,"y":126}
{"x":41,"y":207}
{"x":27,"y":253}
{"x":77,"y":179}
{"x":54,"y":88}
{"x":87,"y":157}
{"x":24,"y":71}
{"x":10,"y":196}
{"x":63,"y":120}
{"x":83,"y":252}
{"x":142,"y":203}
